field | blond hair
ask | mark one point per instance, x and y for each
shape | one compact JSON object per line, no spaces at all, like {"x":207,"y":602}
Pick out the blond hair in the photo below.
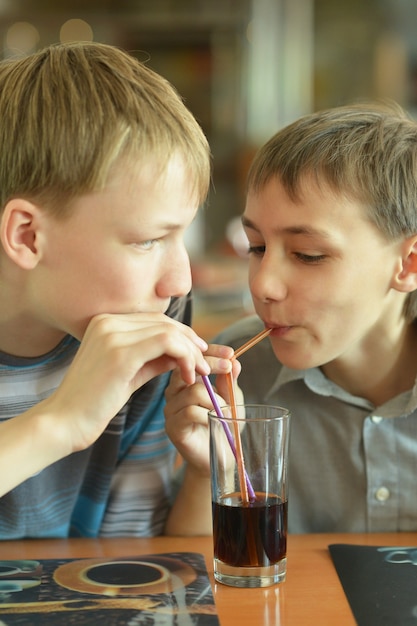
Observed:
{"x":71,"y":112}
{"x":367,"y":152}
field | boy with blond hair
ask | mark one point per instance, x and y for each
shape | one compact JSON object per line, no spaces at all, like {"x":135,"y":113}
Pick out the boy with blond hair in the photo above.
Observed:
{"x":102,"y":169}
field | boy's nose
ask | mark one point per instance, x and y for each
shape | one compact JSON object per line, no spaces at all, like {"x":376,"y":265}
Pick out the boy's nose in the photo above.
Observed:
{"x":267,"y":284}
{"x":177,"y":279}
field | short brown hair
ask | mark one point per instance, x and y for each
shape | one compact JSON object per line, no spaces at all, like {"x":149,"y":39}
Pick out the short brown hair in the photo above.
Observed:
{"x":70,"y":112}
{"x":367,"y":152}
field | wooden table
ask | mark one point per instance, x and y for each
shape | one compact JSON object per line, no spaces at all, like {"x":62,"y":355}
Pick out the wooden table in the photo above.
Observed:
{"x":312,"y":593}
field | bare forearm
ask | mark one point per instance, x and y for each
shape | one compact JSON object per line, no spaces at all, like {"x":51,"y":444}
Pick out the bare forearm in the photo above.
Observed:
{"x":34,"y":438}
{"x":191,"y":511}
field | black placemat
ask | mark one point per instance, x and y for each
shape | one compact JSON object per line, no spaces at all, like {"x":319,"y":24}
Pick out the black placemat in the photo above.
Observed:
{"x":379,"y":582}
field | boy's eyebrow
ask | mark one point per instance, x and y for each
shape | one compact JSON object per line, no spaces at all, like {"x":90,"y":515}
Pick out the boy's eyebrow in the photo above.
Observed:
{"x":168,"y":226}
{"x":291,"y":230}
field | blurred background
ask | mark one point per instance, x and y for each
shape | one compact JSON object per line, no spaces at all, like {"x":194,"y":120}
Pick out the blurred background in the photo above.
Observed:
{"x":244,"y":68}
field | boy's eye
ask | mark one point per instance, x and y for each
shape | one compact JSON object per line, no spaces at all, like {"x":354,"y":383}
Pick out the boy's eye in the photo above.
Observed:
{"x":256,"y":250}
{"x":147,"y":245}
{"x":310,"y":258}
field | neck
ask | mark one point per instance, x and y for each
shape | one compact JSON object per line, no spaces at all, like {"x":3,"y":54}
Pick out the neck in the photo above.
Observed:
{"x":382,"y":368}
{"x":21,"y":332}
{"x":25,"y":340}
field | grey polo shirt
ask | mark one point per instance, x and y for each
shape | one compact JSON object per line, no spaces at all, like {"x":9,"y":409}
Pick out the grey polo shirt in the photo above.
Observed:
{"x":352,"y":466}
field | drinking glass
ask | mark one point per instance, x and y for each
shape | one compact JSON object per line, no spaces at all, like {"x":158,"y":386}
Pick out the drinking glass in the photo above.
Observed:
{"x":249,"y":458}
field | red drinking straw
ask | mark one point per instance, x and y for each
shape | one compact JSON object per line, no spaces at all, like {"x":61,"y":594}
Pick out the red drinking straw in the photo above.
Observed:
{"x":238,"y":443}
{"x":252,"y":342}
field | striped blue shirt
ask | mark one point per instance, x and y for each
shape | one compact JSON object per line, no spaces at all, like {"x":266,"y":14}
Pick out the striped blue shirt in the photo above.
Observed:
{"x":120,"y":486}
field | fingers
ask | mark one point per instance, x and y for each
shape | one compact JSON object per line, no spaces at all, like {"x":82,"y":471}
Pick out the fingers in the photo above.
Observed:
{"x":120,"y":353}
{"x":180,"y":396}
{"x":117,"y":355}
{"x":218,"y":358}
{"x":134,"y":320}
{"x":186,"y":421}
{"x":149,"y":343}
{"x":187,"y":407}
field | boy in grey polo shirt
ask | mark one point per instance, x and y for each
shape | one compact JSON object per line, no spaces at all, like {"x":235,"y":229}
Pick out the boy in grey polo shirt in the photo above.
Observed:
{"x":331,"y":220}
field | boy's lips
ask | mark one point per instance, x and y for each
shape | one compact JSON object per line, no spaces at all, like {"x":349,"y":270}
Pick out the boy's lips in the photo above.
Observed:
{"x":278,"y":330}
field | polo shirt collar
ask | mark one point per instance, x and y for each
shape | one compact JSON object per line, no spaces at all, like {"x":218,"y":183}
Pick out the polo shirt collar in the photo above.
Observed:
{"x":316,"y":381}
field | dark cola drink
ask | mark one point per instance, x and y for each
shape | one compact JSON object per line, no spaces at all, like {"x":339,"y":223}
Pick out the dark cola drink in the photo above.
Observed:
{"x":250,"y":535}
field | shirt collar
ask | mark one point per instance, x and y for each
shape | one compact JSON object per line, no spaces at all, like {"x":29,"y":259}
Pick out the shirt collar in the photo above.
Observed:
{"x":314,"y":379}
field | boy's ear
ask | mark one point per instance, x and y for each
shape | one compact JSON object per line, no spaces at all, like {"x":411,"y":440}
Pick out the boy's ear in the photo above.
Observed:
{"x":19,"y":232}
{"x":406,"y":278}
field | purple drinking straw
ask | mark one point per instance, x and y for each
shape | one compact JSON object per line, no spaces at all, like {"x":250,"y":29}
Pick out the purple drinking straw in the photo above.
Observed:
{"x":208,"y":385}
